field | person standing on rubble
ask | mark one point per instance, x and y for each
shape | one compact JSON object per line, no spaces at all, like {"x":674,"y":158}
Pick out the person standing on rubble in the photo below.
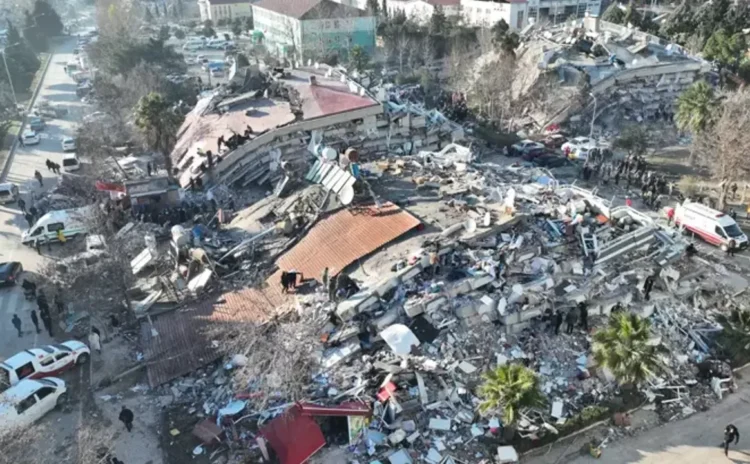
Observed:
{"x":584,"y":314}
{"x":730,"y":434}
{"x":648,"y":284}
{"x":731,"y":247}
{"x":558,"y":321}
{"x":570,"y":319}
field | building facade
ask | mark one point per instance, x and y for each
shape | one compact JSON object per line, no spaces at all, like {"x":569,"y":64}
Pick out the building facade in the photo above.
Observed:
{"x":310,"y":29}
{"x":484,"y":13}
{"x":216,"y":10}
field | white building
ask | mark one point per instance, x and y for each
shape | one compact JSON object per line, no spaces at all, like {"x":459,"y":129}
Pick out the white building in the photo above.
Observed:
{"x":216,"y":10}
{"x":421,"y":11}
{"x":485,"y":13}
{"x":313,"y":28}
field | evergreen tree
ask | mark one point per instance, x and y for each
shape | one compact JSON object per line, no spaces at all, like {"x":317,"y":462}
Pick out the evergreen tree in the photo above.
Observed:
{"x":47,"y":19}
{"x":373,"y":7}
{"x":22,"y":62}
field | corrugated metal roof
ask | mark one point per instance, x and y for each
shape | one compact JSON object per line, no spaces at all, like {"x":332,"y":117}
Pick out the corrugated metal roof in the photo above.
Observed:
{"x":349,"y":234}
{"x":334,"y":242}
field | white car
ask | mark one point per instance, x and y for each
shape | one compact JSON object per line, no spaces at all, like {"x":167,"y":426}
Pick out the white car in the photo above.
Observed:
{"x":95,"y":116}
{"x":525,"y":145}
{"x":29,"y":401}
{"x":44,"y":361}
{"x":68,"y":144}
{"x":579,"y":147}
{"x":31,"y":138}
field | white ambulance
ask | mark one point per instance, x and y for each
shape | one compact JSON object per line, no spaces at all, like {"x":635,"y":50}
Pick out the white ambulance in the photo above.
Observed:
{"x":711,"y":225}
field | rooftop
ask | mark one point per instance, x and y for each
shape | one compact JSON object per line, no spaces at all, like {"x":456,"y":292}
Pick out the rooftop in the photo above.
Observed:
{"x":311,"y":9}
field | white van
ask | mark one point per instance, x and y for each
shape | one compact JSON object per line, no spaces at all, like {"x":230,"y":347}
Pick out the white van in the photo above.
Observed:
{"x":72,"y":222}
{"x":711,"y":225}
{"x":29,"y":401}
{"x":70,"y":162}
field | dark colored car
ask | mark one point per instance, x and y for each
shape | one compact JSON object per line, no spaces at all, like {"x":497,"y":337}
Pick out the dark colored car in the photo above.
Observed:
{"x":9,"y":272}
{"x":534,"y":153}
{"x":36,"y":123}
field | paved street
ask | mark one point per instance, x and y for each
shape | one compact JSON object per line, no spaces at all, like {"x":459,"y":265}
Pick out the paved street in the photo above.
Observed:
{"x":58,"y":89}
{"x":694,"y":440}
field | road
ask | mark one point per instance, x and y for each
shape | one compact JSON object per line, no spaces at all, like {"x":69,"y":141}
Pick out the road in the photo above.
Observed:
{"x":58,"y":89}
{"x":694,"y":440}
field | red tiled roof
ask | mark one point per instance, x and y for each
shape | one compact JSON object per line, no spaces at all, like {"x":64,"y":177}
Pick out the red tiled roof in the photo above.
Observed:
{"x":334,"y":242}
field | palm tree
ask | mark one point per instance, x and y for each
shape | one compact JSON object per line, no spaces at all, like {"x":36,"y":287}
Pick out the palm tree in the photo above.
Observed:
{"x":510,"y":388}
{"x":736,"y":331}
{"x":696,"y":109}
{"x":624,"y":348}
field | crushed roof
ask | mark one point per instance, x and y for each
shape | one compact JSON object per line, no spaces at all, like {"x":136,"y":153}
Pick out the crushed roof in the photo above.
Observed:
{"x":336,"y":241}
{"x":311,"y":9}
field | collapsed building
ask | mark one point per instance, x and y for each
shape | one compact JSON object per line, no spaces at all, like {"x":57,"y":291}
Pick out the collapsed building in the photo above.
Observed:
{"x":275,"y":118}
{"x":624,"y":74}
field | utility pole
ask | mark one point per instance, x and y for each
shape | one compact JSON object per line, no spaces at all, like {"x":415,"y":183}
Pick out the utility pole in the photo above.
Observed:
{"x":593,"y":116}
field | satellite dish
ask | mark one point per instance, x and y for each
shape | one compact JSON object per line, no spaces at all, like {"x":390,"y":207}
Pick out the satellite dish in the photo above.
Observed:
{"x":346,"y":195}
{"x":330,"y":154}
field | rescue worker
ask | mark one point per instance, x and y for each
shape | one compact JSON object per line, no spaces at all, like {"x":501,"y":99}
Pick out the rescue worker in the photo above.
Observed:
{"x":38,"y":177}
{"x":126,"y":417}
{"x":584,"y":315}
{"x":648,"y":284}
{"x":570,"y":319}
{"x":17,"y":324}
{"x":35,"y":320}
{"x":558,"y":321}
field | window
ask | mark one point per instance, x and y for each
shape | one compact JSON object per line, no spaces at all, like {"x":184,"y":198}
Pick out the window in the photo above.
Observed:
{"x":720,"y":232}
{"x":60,"y":356}
{"x":37,"y":231}
{"x":47,"y":349}
{"x":25,"y":371}
{"x":25,"y":404}
{"x":44,"y":392}
{"x":47,"y":361}
{"x":54,"y":227}
{"x":733,"y":230}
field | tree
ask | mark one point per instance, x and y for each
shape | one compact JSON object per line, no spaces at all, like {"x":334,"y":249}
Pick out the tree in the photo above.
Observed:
{"x":726,"y":142}
{"x":696,"y":110}
{"x":632,"y":15}
{"x":505,"y":39}
{"x":384,"y":8}
{"x":22,"y":61}
{"x":614,"y":14}
{"x":438,"y":21}
{"x":373,"y":8}
{"x":159,"y":125}
{"x":47,"y":18}
{"x":509,"y":389}
{"x":208,"y":30}
{"x":237,"y":27}
{"x":115,"y":56}
{"x":358,"y":58}
{"x":634,"y":140}
{"x":249,"y":23}
{"x":736,"y":334}
{"x":624,"y":348}
{"x":725,"y":49}
{"x":164,"y":33}
{"x":179,"y":34}
{"x":34,"y":34}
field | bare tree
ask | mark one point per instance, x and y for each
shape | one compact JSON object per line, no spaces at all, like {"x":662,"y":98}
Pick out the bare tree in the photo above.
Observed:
{"x":93,"y":444}
{"x":280,"y":358}
{"x":17,"y":446}
{"x":724,"y":146}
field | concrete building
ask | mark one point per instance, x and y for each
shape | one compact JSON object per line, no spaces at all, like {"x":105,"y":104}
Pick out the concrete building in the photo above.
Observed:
{"x":485,"y":13}
{"x":216,"y":10}
{"x":313,"y":28}
{"x":421,"y":11}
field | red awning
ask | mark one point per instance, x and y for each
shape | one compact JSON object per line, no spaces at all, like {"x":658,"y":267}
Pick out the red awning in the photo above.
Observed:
{"x":293,"y":436}
{"x":109,"y":187}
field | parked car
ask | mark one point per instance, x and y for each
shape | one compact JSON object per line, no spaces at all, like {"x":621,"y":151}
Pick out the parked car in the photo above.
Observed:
{"x":36,"y":123}
{"x":534,"y":153}
{"x":45,"y":361}
{"x":578,"y":147}
{"x":554,"y":141}
{"x":523,"y":146}
{"x":68,"y":144}
{"x":9,"y":272}
{"x":29,"y":401}
{"x":216,"y":72}
{"x":31,"y":138}
{"x":71,"y":162}
{"x":8,"y":192}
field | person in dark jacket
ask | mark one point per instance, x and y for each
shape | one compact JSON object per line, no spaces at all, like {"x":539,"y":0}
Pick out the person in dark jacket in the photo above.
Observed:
{"x":21,"y":205}
{"x":17,"y":324}
{"x":558,"y":321}
{"x":47,"y":321}
{"x":730,"y":434}
{"x":583,"y":309}
{"x":35,"y":320}
{"x":126,"y":417}
{"x":571,"y":318}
